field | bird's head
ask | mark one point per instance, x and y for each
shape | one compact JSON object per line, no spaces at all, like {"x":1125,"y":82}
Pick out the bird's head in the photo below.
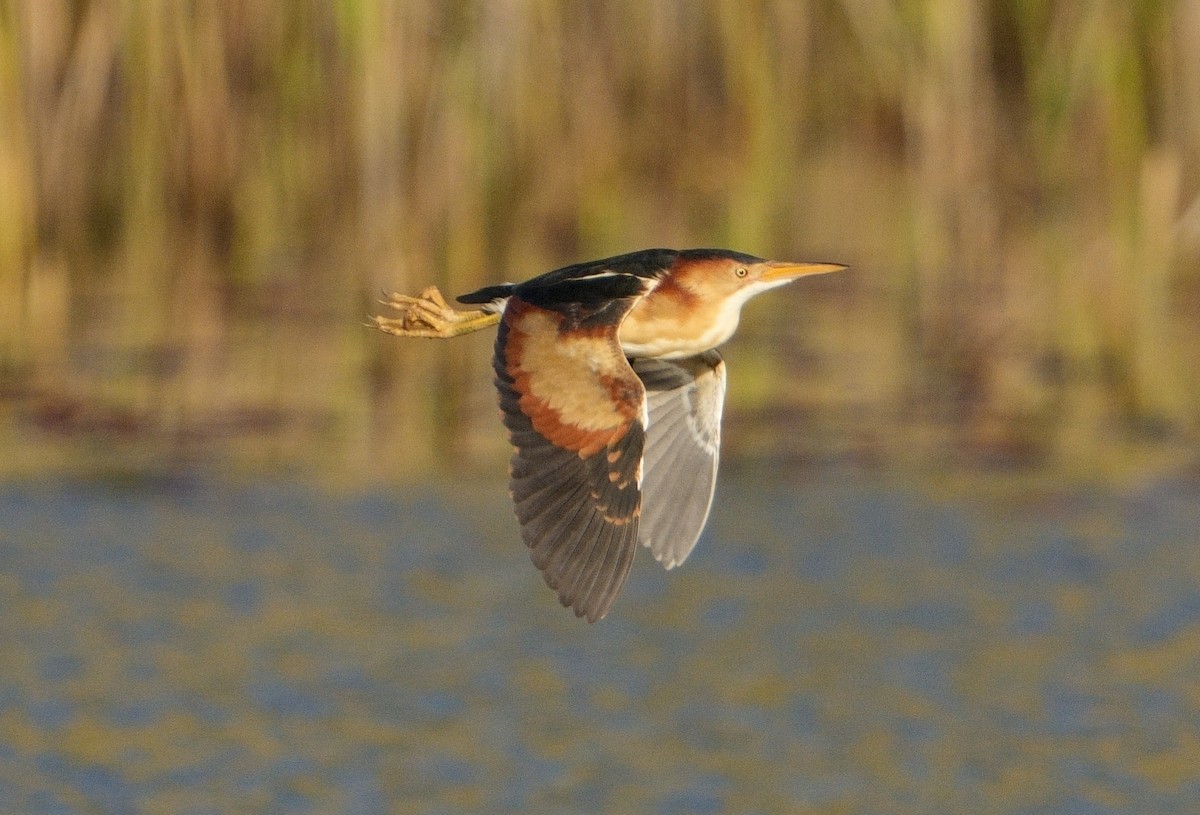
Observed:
{"x":698,"y":302}
{"x":720,"y":275}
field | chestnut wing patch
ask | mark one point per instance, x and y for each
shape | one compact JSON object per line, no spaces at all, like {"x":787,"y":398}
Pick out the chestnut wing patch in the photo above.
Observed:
{"x":574,"y":411}
{"x":685,"y":399}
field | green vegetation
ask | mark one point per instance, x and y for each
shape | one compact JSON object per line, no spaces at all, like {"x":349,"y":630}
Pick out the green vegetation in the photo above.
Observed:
{"x":199,"y":202}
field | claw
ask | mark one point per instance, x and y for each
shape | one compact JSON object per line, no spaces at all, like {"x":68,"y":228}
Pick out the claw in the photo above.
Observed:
{"x":429,"y":315}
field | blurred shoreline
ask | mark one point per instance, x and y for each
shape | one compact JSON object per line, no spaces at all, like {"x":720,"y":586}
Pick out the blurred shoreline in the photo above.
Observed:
{"x":198,"y":209}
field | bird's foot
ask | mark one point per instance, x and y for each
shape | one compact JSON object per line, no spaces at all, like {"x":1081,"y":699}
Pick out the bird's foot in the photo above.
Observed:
{"x":429,"y":315}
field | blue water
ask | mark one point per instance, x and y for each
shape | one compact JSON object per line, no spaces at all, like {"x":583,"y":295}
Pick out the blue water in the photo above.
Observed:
{"x":835,"y":644}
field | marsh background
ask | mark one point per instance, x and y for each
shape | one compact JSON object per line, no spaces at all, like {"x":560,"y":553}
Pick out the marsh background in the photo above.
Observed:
{"x":249,"y":561}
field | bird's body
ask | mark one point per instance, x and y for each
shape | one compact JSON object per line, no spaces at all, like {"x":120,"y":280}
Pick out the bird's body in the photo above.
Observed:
{"x":612,"y":390}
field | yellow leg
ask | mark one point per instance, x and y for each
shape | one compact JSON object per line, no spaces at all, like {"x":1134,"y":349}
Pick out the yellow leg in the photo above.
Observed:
{"x":429,"y":315}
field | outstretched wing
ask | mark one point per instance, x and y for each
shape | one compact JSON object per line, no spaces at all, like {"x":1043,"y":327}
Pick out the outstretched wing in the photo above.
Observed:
{"x":575,"y":412}
{"x":685,"y":398}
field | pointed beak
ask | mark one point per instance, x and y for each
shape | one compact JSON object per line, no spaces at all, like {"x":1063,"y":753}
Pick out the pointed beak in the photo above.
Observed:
{"x":781,"y":271}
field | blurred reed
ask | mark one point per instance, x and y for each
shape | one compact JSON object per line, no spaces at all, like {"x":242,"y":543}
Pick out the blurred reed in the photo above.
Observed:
{"x":199,"y":202}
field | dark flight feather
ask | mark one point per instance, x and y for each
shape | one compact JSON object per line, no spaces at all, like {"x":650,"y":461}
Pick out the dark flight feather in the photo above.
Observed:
{"x":576,"y":463}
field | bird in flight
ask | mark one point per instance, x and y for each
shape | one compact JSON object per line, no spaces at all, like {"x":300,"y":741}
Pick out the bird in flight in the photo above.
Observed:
{"x":611,"y":389}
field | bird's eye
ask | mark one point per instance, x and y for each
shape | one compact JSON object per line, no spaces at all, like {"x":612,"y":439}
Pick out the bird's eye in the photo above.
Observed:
{"x":742,"y":271}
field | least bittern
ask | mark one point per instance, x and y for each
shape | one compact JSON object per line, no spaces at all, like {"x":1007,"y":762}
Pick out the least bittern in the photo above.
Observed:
{"x":611,"y":390}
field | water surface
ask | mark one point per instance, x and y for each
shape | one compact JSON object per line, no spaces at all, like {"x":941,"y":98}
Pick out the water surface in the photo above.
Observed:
{"x":835,"y":644}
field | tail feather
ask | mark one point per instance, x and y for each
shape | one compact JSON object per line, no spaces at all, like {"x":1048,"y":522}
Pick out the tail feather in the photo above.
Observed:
{"x":487,"y":294}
